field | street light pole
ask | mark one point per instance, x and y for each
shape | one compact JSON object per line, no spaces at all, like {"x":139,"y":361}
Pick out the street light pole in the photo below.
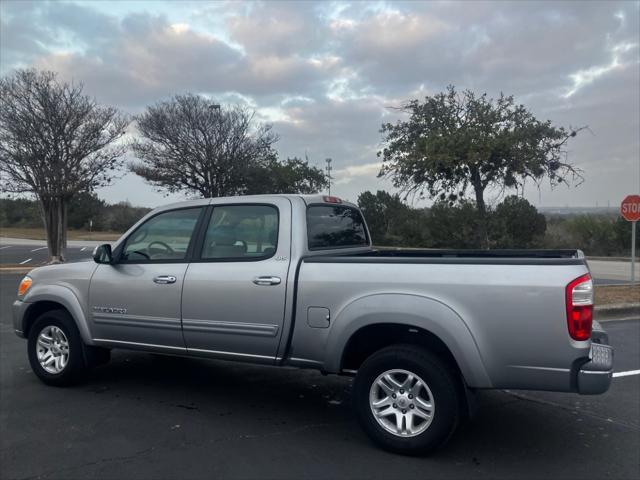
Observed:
{"x":328,"y":169}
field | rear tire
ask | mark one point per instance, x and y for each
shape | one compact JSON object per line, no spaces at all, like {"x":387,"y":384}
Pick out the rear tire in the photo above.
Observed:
{"x":406,"y":399}
{"x":55,"y":349}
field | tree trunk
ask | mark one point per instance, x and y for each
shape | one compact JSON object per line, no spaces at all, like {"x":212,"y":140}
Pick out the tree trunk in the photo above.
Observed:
{"x":481,"y":227}
{"x":54,"y":216}
{"x":63,"y":222}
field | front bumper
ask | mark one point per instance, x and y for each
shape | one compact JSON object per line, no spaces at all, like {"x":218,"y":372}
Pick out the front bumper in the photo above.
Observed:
{"x":594,"y":376}
{"x":19,"y":309}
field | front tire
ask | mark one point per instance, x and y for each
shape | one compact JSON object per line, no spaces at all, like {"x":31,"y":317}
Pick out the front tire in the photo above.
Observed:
{"x":55,"y":349}
{"x":406,"y":399}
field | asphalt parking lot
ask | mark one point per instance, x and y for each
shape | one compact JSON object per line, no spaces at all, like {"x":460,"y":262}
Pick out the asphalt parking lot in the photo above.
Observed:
{"x":150,"y":416}
{"x":35,"y":254}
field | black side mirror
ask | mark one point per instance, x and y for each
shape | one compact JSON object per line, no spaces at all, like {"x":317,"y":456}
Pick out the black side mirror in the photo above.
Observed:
{"x":102,"y":254}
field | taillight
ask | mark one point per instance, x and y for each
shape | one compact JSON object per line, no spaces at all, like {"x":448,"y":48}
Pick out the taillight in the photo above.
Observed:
{"x":579,"y":298}
{"x":329,"y":199}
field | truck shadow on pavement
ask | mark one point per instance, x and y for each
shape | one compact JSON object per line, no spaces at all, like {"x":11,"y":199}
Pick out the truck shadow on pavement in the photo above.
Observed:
{"x":261,"y":401}
{"x":153,"y":416}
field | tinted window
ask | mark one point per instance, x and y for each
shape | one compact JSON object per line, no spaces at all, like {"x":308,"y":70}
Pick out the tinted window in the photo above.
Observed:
{"x":163,"y":237}
{"x":335,"y":227}
{"x":241,"y":231}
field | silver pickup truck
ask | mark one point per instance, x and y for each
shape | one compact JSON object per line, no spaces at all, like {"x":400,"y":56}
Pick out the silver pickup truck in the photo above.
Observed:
{"x":294,"y":280}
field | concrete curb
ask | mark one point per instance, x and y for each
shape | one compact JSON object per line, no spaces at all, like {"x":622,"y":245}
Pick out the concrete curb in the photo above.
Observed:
{"x":617,"y":311}
{"x":15,"y":270}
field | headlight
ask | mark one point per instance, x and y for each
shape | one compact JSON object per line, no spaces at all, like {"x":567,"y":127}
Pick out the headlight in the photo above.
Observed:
{"x":25,"y":284}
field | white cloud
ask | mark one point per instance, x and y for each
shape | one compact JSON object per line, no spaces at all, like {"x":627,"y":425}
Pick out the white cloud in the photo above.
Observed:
{"x":585,"y":77}
{"x":345,"y":175}
{"x":179,"y":27}
{"x":325,"y":73}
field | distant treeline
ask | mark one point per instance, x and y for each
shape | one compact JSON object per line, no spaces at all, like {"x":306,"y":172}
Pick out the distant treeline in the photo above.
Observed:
{"x":513,"y":223}
{"x":83,"y":210}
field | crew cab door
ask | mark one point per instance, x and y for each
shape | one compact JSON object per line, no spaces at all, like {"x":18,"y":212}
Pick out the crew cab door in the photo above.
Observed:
{"x":135,"y":302}
{"x":234,"y":291}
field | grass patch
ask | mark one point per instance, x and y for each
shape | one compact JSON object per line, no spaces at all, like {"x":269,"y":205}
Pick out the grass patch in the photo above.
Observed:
{"x":38,"y":234}
{"x":611,"y":294}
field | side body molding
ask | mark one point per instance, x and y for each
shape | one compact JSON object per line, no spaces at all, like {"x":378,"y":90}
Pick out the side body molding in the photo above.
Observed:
{"x":414,"y":311}
{"x":65,"y":296}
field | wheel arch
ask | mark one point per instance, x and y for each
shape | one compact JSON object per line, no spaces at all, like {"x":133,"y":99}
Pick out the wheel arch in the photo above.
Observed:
{"x":55,"y":297}
{"x":371,"y":338}
{"x":385,"y":319}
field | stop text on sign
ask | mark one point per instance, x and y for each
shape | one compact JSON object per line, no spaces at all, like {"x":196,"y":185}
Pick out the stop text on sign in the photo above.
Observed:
{"x":630,"y":208}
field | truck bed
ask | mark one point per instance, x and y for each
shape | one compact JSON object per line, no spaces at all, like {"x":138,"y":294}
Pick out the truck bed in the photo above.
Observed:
{"x":499,"y":308}
{"x":439,"y":256}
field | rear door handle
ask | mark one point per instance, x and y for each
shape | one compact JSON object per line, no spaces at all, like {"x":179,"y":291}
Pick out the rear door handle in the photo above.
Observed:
{"x":164,"y":279}
{"x":266,"y":280}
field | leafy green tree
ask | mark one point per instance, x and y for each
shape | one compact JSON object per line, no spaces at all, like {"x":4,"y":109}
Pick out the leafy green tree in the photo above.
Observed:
{"x":515,"y":223}
{"x":593,"y":233}
{"x":391,"y":222}
{"x":293,"y":175}
{"x":84,"y":208}
{"x":19,"y":212}
{"x":378,"y":210}
{"x":453,"y":226}
{"x":120,"y":216}
{"x":455,"y":142}
{"x":622,"y":236}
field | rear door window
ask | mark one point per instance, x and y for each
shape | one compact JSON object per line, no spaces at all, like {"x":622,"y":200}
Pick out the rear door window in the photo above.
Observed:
{"x":243,"y":232}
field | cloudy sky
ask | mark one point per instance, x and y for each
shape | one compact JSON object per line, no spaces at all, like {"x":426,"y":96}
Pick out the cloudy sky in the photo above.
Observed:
{"x":325,"y":74}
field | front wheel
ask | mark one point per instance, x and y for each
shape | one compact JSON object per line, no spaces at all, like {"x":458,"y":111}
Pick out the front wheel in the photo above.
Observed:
{"x":55,"y":349}
{"x":406,"y":399}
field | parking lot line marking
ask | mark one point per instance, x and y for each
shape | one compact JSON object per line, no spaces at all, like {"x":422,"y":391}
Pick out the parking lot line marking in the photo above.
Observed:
{"x":36,"y":249}
{"x":626,"y":374}
{"x":8,"y":246}
{"x":26,"y":261}
{"x":83,"y":249}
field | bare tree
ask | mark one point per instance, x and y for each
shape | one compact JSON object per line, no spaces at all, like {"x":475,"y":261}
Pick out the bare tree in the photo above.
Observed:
{"x":190,"y":144}
{"x":54,"y":143}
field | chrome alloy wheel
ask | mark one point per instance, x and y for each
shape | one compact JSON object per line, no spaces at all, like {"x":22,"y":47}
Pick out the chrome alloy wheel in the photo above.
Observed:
{"x":402,"y":403}
{"x":52,"y":349}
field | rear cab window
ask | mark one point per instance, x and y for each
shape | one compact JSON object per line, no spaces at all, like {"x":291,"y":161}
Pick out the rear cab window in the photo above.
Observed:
{"x":335,"y":226}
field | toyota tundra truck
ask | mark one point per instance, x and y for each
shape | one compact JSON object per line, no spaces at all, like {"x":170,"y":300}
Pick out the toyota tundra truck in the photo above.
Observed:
{"x":294,"y":280}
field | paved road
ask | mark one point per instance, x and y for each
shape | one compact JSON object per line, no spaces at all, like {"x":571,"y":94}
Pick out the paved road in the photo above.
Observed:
{"x":33,"y":255}
{"x":148,"y":416}
{"x":613,"y":271}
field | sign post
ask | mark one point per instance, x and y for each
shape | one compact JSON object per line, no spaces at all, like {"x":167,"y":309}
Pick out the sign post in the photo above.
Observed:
{"x":630,"y":210}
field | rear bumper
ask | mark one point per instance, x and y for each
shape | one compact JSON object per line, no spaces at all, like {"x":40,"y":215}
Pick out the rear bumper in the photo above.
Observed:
{"x":594,"y":376}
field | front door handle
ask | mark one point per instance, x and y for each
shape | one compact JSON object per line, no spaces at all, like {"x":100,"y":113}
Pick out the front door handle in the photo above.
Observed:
{"x":164,"y":279}
{"x":267,"y":280}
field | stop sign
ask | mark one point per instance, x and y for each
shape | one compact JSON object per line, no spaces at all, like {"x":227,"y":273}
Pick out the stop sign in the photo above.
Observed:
{"x":630,"y":208}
